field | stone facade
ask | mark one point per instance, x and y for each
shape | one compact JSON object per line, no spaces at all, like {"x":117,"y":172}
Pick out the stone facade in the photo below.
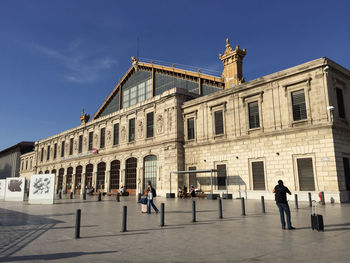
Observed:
{"x":279,"y":141}
{"x":291,"y":125}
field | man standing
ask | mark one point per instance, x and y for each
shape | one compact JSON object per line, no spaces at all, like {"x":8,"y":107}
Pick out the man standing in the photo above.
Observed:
{"x":281,"y":200}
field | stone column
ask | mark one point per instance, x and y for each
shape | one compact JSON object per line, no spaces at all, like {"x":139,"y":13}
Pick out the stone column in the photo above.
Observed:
{"x":83,"y":181}
{"x":108,"y":177}
{"x":64,"y":189}
{"x":122,"y":173}
{"x":73,"y":183}
{"x":94,"y":177}
{"x":139,"y":180}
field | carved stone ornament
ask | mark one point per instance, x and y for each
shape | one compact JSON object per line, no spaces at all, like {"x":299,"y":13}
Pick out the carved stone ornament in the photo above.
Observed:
{"x":160,"y":123}
{"x":140,"y":128}
{"x":96,"y":140}
{"x":109,"y":137}
{"x":75,"y":146}
{"x":123,"y":133}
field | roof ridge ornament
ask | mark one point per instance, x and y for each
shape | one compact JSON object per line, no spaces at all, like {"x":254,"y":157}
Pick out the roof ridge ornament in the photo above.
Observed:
{"x":84,"y":118}
{"x":135,"y":62}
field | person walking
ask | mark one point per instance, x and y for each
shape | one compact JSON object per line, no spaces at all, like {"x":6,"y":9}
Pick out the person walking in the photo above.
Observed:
{"x":150,"y":195}
{"x":281,"y":201}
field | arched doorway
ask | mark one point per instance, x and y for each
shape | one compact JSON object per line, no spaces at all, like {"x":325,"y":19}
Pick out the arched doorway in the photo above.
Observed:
{"x":77,"y":183}
{"x":69,"y":179}
{"x":115,"y":176}
{"x":150,"y":170}
{"x":130,"y":175}
{"x":101,"y":169}
{"x":88,"y":175}
{"x":60,"y":179}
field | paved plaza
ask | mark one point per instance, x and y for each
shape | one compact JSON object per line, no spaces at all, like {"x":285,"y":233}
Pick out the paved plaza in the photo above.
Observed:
{"x":38,"y":233}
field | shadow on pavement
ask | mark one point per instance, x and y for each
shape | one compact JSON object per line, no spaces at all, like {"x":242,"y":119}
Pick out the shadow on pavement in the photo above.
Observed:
{"x":53,"y":256}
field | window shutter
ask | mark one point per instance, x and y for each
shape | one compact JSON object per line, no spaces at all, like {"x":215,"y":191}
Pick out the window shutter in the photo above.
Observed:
{"x":340,"y":102}
{"x":254,"y":121}
{"x":258,"y":176}
{"x":299,"y":106}
{"x":219,"y":124}
{"x":306,"y":174}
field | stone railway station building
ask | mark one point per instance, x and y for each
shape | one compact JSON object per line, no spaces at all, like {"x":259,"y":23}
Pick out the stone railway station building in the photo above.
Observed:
{"x":291,"y":125}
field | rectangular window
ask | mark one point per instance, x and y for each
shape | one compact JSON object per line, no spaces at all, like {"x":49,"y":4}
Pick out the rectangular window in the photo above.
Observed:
{"x":42,"y":155}
{"x":190,"y":129}
{"x":48,"y":153}
{"x":306,"y":174}
{"x":26,"y":164}
{"x":22,"y":165}
{"x":346,"y":173}
{"x":91,"y":134}
{"x":102,"y":137}
{"x":258,"y":175}
{"x":62,"y":148}
{"x":55,"y":151}
{"x":219,"y":122}
{"x":116,"y":134}
{"x":298,"y":105}
{"x":31,"y":163}
{"x":71,"y":146}
{"x":132,"y":130}
{"x":340,"y":102}
{"x":253,"y":111}
{"x":150,"y":122}
{"x":221,"y":176}
{"x":80,"y":147}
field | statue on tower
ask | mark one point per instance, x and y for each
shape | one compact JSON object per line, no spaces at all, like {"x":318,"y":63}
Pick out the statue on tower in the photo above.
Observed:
{"x":84,"y":118}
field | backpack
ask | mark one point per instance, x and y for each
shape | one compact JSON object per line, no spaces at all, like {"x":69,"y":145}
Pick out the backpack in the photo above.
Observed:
{"x":154,"y":192}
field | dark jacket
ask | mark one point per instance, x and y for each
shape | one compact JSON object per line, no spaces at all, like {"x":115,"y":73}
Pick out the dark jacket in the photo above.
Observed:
{"x":281,"y":193}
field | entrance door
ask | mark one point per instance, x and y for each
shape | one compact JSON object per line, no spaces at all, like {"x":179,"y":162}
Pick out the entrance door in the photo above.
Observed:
{"x":88,"y":176}
{"x":306,"y":174}
{"x":78,"y":172}
{"x":60,"y":179}
{"x":192,"y":177}
{"x":69,"y":179}
{"x":130,"y":175}
{"x":221,"y":176}
{"x":101,"y":168}
{"x":115,"y":168}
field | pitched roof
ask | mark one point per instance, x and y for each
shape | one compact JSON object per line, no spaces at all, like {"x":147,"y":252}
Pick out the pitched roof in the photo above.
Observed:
{"x":180,"y":73}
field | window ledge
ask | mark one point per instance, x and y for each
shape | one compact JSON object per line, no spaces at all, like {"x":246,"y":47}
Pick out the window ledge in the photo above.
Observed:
{"x":220,"y":136}
{"x":300,"y":122}
{"x":254,"y":130}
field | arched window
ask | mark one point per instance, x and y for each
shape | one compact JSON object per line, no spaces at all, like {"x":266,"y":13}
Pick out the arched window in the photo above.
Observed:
{"x":41,"y":172}
{"x":47,"y":172}
{"x":130,"y":173}
{"x":115,"y":171}
{"x":150,"y":170}
{"x":53,"y":171}
{"x":88,"y":174}
{"x":101,"y":168}
{"x":69,"y":178}
{"x":78,"y":172}
{"x":60,"y":179}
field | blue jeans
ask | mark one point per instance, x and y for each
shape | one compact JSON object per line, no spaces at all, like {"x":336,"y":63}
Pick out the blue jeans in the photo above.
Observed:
{"x":149,"y":204}
{"x":284,"y":208}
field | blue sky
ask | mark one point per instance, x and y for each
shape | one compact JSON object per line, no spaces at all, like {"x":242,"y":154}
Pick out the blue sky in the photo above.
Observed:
{"x":57,"y":57}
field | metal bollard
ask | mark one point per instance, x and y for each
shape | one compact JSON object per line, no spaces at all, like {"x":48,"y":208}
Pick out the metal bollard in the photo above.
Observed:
{"x":124,"y":219}
{"x":296,"y":201}
{"x":220,"y":208}
{"x":118,"y":197}
{"x":84,"y":196}
{"x":138,"y":196}
{"x":263,"y":204}
{"x":99,"y":196}
{"x":243,"y":206}
{"x":71,"y":195}
{"x":310,"y":199}
{"x":323,"y":202}
{"x":162,"y":214}
{"x":194,"y":211}
{"x":77,"y":223}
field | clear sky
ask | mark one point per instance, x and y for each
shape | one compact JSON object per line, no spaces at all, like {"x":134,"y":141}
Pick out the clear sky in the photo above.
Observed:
{"x":57,"y":57}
